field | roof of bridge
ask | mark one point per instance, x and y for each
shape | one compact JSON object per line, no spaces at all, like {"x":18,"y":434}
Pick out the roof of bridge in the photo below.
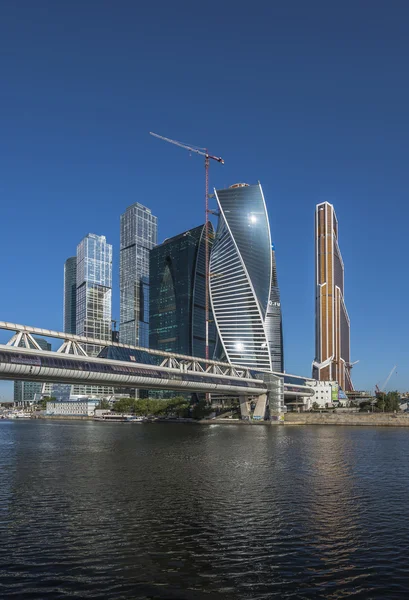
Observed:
{"x":128,"y":354}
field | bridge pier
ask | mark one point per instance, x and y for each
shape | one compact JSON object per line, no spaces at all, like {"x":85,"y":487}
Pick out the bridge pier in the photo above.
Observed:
{"x":259,"y":413}
{"x":244,"y":408}
{"x":275,"y":387}
{"x":273,"y":401}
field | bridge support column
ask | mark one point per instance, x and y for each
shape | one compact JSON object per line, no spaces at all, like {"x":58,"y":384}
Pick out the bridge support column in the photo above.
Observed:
{"x":244,"y":408}
{"x":275,"y":386}
{"x":259,"y":413}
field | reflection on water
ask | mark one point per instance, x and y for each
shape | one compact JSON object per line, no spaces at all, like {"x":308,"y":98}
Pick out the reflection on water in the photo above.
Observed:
{"x":97,"y":510}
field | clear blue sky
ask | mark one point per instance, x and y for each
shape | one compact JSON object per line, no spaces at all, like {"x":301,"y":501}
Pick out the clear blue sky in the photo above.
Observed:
{"x":310,"y":98}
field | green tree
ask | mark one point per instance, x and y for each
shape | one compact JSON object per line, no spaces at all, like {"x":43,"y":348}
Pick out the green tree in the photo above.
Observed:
{"x":42,"y":404}
{"x":104,"y":404}
{"x":393,"y":401}
{"x":141,"y":407}
{"x":178,"y":407}
{"x":201,"y":409}
{"x":380,"y":404}
{"x":125,"y":405}
{"x":388,"y":402}
{"x":365,"y":406}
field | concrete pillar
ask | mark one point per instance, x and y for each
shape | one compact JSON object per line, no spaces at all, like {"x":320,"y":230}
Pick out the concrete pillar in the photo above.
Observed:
{"x":244,"y":408}
{"x":260,"y":408}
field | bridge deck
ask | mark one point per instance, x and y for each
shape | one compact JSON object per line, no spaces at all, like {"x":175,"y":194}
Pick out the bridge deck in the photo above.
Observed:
{"x":44,"y":366}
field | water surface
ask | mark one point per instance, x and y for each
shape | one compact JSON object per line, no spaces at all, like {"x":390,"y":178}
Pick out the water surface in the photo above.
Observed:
{"x":98,"y":510}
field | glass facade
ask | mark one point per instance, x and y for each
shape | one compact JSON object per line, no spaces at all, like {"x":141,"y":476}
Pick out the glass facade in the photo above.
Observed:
{"x":274,"y":322}
{"x":177,"y":294}
{"x":243,"y":287}
{"x":70,"y":295}
{"x":94,"y":289}
{"x":138,"y":237}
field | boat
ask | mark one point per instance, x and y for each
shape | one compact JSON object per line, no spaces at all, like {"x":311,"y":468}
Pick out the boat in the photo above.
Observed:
{"x":138,"y":420}
{"x":119,"y":418}
{"x":16,"y":414}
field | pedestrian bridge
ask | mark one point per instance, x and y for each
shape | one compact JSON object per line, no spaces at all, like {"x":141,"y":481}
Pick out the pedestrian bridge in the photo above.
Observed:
{"x":120,"y":365}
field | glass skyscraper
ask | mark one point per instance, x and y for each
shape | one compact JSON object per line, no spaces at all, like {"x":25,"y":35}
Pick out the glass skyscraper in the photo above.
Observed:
{"x":177,"y":294}
{"x":70,"y":295}
{"x":87,"y":307}
{"x":332,"y":326}
{"x":138,"y":237}
{"x":94,"y":289}
{"x":274,"y":321}
{"x":243,"y":284}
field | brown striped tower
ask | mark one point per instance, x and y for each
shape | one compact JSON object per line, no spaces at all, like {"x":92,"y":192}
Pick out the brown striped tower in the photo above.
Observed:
{"x":332,"y":325}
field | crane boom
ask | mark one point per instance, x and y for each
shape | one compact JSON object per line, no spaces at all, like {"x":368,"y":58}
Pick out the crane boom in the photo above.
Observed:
{"x":201,"y":151}
{"x":387,"y":379}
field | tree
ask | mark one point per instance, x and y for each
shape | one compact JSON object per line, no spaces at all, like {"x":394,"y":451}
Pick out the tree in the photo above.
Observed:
{"x":393,"y":401}
{"x":125,"y":405}
{"x":365,"y":406}
{"x":141,"y":407}
{"x":380,"y":404}
{"x":42,"y":404}
{"x":388,"y":402}
{"x":315,"y":406}
{"x":103,"y":405}
{"x":201,"y":409}
{"x":178,"y":406}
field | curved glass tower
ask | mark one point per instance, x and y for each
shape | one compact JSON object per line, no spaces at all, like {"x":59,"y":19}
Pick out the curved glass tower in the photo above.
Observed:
{"x":243,"y":284}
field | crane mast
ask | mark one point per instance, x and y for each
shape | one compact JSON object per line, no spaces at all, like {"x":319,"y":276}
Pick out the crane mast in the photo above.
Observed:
{"x":207,"y":157}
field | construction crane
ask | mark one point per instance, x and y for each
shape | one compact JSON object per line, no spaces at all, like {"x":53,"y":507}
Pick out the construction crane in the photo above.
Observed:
{"x":379,"y":390}
{"x":208,"y":157}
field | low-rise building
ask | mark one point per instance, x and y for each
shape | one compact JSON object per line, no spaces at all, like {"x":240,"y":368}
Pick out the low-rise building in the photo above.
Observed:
{"x":326,"y":394}
{"x":73,"y":408}
{"x":358,"y":396}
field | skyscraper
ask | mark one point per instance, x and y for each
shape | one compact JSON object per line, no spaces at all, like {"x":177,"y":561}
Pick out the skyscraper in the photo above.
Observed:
{"x":87,"y":307}
{"x":332,"y":326}
{"x":274,"y":321}
{"x":70,"y":295}
{"x":138,"y":237}
{"x":243,"y":284}
{"x":94,"y":289}
{"x":177,"y":294}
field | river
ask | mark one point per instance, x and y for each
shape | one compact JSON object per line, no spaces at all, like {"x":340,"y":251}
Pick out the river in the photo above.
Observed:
{"x":98,"y":510}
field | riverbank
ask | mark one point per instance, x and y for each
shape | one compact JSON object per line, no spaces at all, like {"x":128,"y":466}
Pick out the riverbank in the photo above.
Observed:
{"x":294,"y":419}
{"x":354,"y":419}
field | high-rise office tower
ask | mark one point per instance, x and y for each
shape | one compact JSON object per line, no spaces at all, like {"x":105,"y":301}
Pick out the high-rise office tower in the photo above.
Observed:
{"x":243,"y":284}
{"x":177,"y":294}
{"x":138,"y":237}
{"x":87,"y":307}
{"x":26,"y":391}
{"x":70,"y":295}
{"x":274,"y":321}
{"x":94,"y":289}
{"x":332,"y":327}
